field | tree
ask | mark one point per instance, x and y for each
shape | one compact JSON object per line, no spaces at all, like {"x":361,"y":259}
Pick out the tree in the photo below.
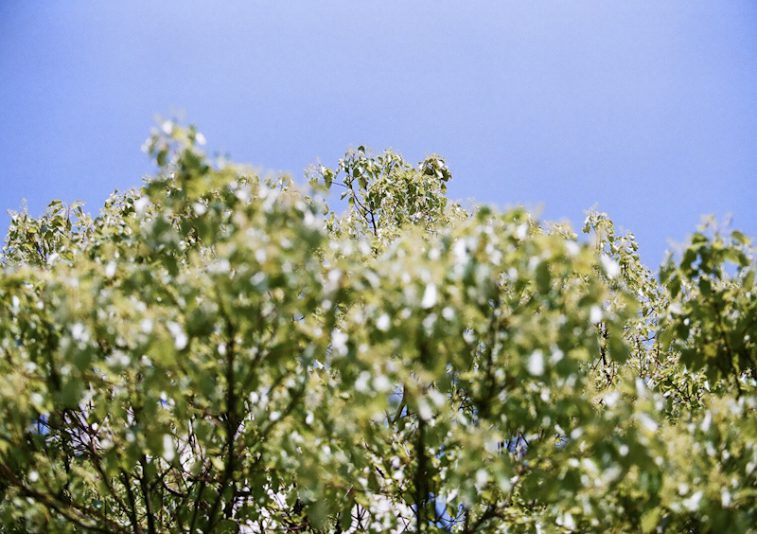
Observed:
{"x":220,"y":352}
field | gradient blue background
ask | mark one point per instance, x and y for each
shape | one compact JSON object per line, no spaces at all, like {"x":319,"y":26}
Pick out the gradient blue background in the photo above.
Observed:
{"x":647,"y":110}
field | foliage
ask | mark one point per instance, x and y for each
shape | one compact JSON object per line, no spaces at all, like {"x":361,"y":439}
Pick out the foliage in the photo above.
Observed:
{"x":220,"y":352}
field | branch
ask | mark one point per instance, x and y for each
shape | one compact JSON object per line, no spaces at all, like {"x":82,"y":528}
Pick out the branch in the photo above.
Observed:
{"x":232,"y":423}
{"x":146,"y":495}
{"x":65,"y":509}
{"x":132,"y":503}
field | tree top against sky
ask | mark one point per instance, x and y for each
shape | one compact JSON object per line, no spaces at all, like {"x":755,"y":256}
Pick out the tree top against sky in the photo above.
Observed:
{"x":647,"y":111}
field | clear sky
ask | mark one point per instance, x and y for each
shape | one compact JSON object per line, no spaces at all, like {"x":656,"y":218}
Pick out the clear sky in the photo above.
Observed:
{"x":647,"y":110}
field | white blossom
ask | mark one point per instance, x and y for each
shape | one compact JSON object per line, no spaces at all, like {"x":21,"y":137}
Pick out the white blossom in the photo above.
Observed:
{"x":536,"y":363}
{"x":429,"y":297}
{"x":179,"y":335}
{"x":610,"y":266}
{"x":169,"y":450}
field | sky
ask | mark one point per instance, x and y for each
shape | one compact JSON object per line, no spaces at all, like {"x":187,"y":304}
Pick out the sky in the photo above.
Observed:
{"x":645,"y":110}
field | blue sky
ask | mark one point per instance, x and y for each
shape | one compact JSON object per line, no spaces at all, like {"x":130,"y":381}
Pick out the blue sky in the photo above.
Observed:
{"x":647,"y":110}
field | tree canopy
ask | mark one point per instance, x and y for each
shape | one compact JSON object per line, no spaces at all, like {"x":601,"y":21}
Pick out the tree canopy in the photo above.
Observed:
{"x":221,"y":351}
